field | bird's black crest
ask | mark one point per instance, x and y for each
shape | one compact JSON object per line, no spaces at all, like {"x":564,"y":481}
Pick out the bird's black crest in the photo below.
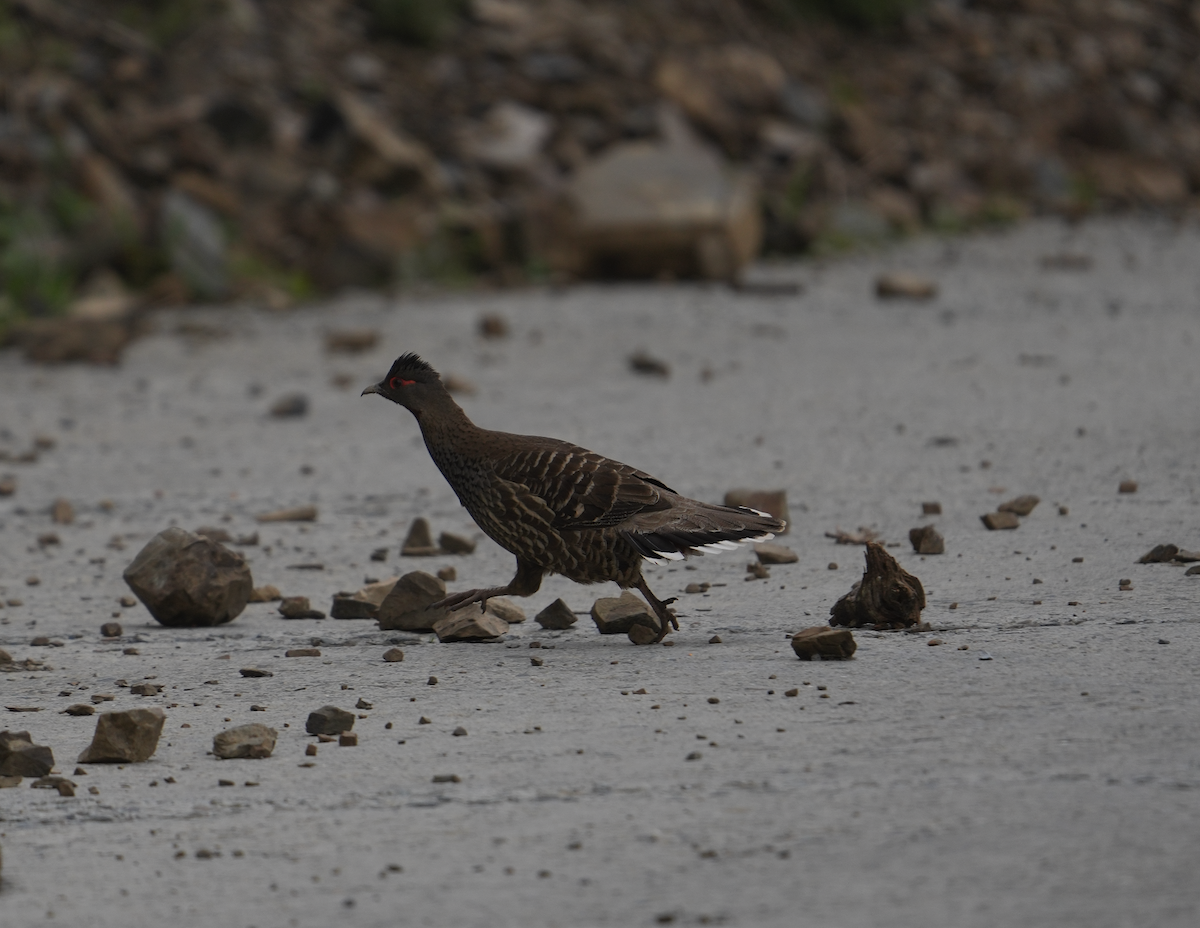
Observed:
{"x":411,"y":363}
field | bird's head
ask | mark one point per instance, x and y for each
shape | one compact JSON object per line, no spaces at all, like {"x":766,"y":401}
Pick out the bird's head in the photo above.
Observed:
{"x":411,"y":382}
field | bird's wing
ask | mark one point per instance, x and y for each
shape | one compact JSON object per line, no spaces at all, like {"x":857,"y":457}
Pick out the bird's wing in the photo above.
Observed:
{"x":584,"y":490}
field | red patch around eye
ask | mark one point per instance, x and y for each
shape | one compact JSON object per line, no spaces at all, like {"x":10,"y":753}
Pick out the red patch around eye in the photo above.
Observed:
{"x":407,"y":383}
{"x":400,"y":382}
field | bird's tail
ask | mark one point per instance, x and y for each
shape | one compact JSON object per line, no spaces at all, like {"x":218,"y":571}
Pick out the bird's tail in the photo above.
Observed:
{"x":697,"y":528}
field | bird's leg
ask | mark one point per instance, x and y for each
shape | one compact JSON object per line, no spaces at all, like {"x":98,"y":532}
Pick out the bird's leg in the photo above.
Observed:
{"x":527,"y":582}
{"x":666,"y":618}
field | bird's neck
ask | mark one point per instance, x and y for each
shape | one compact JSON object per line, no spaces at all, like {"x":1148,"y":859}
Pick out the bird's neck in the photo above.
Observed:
{"x":445,"y":426}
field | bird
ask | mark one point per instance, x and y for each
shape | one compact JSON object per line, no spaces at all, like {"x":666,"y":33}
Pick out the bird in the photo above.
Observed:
{"x":560,"y":508}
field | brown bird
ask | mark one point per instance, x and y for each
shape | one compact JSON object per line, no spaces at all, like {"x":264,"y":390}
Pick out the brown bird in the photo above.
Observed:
{"x":560,"y":508}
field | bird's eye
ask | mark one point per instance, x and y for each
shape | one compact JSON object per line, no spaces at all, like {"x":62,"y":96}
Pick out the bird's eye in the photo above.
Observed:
{"x":400,"y":382}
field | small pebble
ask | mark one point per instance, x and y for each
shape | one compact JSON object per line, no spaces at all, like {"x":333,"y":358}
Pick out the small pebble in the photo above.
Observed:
{"x":712,"y":700}
{"x":310,"y":750}
{"x":536,"y":661}
{"x":715,"y":639}
{"x":459,"y":732}
{"x":792,"y":692}
{"x":1127,"y":486}
{"x":348,"y":739}
{"x":432,"y":681}
{"x":393,"y":655}
{"x":934,"y":642}
{"x":832,"y":566}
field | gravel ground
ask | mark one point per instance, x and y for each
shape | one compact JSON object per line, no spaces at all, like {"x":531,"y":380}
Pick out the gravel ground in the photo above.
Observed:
{"x":1054,"y":784}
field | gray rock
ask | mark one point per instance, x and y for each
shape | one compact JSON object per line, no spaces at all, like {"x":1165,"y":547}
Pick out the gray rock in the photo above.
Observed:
{"x":419,"y":542}
{"x":557,"y":615}
{"x":20,"y":757}
{"x":189,"y":581}
{"x":196,"y":245}
{"x":290,"y":406}
{"x":616,"y":615}
{"x":829,"y":644}
{"x":775,"y":554}
{"x":506,"y":610}
{"x":469,"y":624}
{"x":130,"y":737}
{"x":351,"y":607}
{"x":329,"y":720}
{"x":406,"y":607}
{"x":510,"y":137}
{"x":642,"y":209}
{"x":1000,"y":520}
{"x":456,"y":544}
{"x":253,"y":740}
{"x":927,"y":540}
{"x":805,"y":104}
{"x":1021,"y":506}
{"x":298,"y":607}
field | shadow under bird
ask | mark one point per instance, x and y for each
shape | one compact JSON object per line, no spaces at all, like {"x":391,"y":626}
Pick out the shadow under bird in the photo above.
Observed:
{"x":560,"y":508}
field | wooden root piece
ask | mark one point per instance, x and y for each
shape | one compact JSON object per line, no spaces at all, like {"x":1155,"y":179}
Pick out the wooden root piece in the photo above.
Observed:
{"x":886,"y":597}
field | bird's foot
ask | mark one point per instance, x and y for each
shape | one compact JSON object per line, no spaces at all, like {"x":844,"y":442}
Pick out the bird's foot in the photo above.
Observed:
{"x":458,"y":600}
{"x":666,"y":620}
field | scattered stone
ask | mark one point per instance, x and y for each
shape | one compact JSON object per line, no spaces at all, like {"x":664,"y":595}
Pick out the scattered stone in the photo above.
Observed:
{"x":80,"y":708}
{"x":131,"y":651}
{"x":506,"y":609}
{"x":254,"y":740}
{"x":363,"y":704}
{"x":1166,"y":554}
{"x":904,"y":285}
{"x":557,"y":615}
{"x":715,"y":639}
{"x":64,"y":786}
{"x":451,"y":543}
{"x":459,"y":732}
{"x":20,"y":757}
{"x":348,"y":739}
{"x":536,"y":661}
{"x":291,"y":406}
{"x":8,"y":485}
{"x":329,"y":720}
{"x":617,"y":615}
{"x":363,"y":604}
{"x":769,"y":553}
{"x":713,"y":700}
{"x":33,"y":580}
{"x":111,"y":630}
{"x":393,"y":655}
{"x":861,"y":537}
{"x":310,"y":750}
{"x":1064,"y":511}
{"x":214,"y":533}
{"x":641,"y":634}
{"x":351,"y":341}
{"x":1125,"y":586}
{"x":10,"y":782}
{"x":294,"y":514}
{"x":145,"y":689}
{"x":379,"y":554}
{"x":1066,"y":261}
{"x":931,"y":509}
{"x":255,"y":672}
{"x":493,"y":325}
{"x":265,"y":594}
{"x":432,"y":681}
{"x":694,"y":755}
{"x":1021,"y":506}
{"x":406,"y":606}
{"x":130,"y":736}
{"x":1127,"y":486}
{"x":447,"y":574}
{"x":832,"y":565}
{"x":302,"y":652}
{"x":298,"y":607}
{"x":47,"y":539}
{"x":62,"y":512}
{"x":886,"y":597}
{"x":446,"y":778}
{"x":1193,"y":571}
{"x":642,"y":362}
{"x":757,"y":571}
{"x":189,"y":581}
{"x":996,"y":521}
{"x":419,"y":542}
{"x":829,"y":644}
{"x":927,"y":540}
{"x":98,"y":698}
{"x":469,"y":624}
{"x":772,"y":502}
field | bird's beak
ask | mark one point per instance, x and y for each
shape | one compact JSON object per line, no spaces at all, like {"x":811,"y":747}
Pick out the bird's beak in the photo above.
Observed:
{"x":374,"y":388}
